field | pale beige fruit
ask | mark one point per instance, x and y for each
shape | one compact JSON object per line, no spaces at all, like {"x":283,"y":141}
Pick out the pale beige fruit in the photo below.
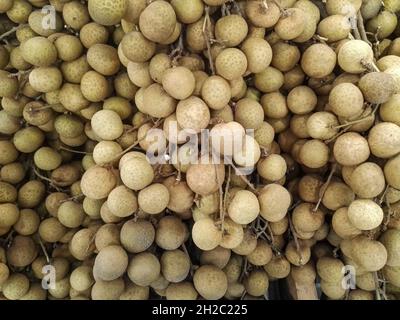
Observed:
{"x":93,"y":33}
{"x":16,"y":286}
{"x":244,"y":207}
{"x":39,"y":51}
{"x":320,"y":125}
{"x":384,"y":140}
{"x":111,"y":263}
{"x":306,"y":219}
{"x":354,"y":56}
{"x":181,"y":291}
{"x":210,"y":282}
{"x":135,"y":292}
{"x":258,"y":53}
{"x":231,"y":63}
{"x":333,"y":290}
{"x":371,"y":255}
{"x":193,"y":114}
{"x":107,"y":290}
{"x":388,"y":110}
{"x":314,"y":154}
{"x":188,"y":11}
{"x":330,"y":269}
{"x":257,"y":283}
{"x":137,"y":236}
{"x":301,"y":100}
{"x":171,"y":233}
{"x":285,"y":56}
{"x":291,"y":24}
{"x":107,"y":13}
{"x":346,"y":100}
{"x":157,"y":21}
{"x":68,"y":47}
{"x":392,"y":275}
{"x":391,"y":170}
{"x":205,"y":177}
{"x":175,"y":265}
{"x":107,"y":235}
{"x":122,"y":202}
{"x":107,"y":124}
{"x":334,"y":28}
{"x":248,"y":244}
{"x":377,"y":87}
{"x":143,"y":269}
{"x":154,"y":199}
{"x":51,"y":230}
{"x":390,"y":239}
{"x":365,"y":214}
{"x":231,"y":30}
{"x":318,"y":61}
{"x":9,"y":85}
{"x":249,"y":154}
{"x":45,"y":79}
{"x":81,"y":278}
{"x":272,"y":168}
{"x":97,"y":182}
{"x":227,"y":138}
{"x":71,"y":214}
{"x":181,"y":197}
{"x":337,"y":195}
{"x":206,"y":235}
{"x":21,"y":252}
{"x":232,"y":234}
{"x":367,"y":180}
{"x":351,"y":141}
{"x":139,"y":74}
{"x":178,"y":82}
{"x":261,"y":255}
{"x":261,"y":15}
{"x":136,"y":173}
{"x":384,"y":24}
{"x":269,"y":80}
{"x":106,"y":152}
{"x":10,"y":214}
{"x":216,"y":92}
{"x":274,"y":202}
{"x":297,"y":257}
{"x":249,"y":113}
{"x":136,"y":47}
{"x":103,"y":59}
{"x":218,"y":257}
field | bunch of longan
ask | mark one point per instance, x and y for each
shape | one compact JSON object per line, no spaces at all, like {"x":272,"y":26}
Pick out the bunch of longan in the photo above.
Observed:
{"x":298,"y":178}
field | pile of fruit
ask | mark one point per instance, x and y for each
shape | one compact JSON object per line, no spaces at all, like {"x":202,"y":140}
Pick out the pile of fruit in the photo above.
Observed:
{"x":199,"y":149}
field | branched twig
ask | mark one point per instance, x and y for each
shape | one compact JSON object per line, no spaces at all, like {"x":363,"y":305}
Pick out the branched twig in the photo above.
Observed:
{"x":207,"y":37}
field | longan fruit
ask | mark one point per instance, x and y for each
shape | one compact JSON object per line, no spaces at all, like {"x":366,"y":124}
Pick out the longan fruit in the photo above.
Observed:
{"x":248,"y":244}
{"x":39,"y":51}
{"x":71,"y":214}
{"x":210,"y":282}
{"x":370,"y":254}
{"x":269,"y":80}
{"x":232,"y":234}
{"x":314,"y":154}
{"x":139,"y":74}
{"x":157,"y":21}
{"x":272,"y":168}
{"x":274,"y":202}
{"x":388,"y":110}
{"x":13,"y":172}
{"x":157,"y":103}
{"x":181,"y":291}
{"x":136,"y":173}
{"x":181,"y":196}
{"x":320,"y":125}
{"x":68,"y":126}
{"x":178,"y":82}
{"x":135,"y":292}
{"x":154,"y":198}
{"x":244,"y":207}
{"x":106,"y":152}
{"x":218,"y":257}
{"x":306,"y":219}
{"x":171,"y":233}
{"x":110,"y":263}
{"x":285,"y":56}
{"x":261,"y":255}
{"x":278,"y":267}
{"x":175,"y":265}
{"x":194,"y":35}
{"x":104,"y":59}
{"x":258,"y":53}
{"x":31,"y":194}
{"x":68,"y":47}
{"x":53,"y":202}
{"x":9,"y":214}
{"x":383,"y":24}
{"x":367,"y":180}
{"x":8,"y":193}
{"x":81,"y":278}
{"x":337,"y":195}
{"x":136,"y":47}
{"x":94,"y":87}
{"x":257,"y":283}
{"x":231,"y":30}
{"x":81,"y":245}
{"x":390,"y":239}
{"x":107,"y":124}
{"x":351,"y":141}
{"x":107,"y":13}
{"x":334,"y":28}
{"x":9,"y":85}
{"x":107,"y":290}
{"x":46,"y":158}
{"x":249,"y":154}
{"x":249,"y":113}
{"x":354,"y":55}
{"x":122,"y":202}
{"x":216,"y":92}
{"x":297,"y":257}
{"x":264,"y":135}
{"x":8,"y":152}
{"x":75,"y":14}
{"x":137,"y":236}
{"x":51,"y":230}
{"x":301,"y":100}
{"x":6,"y":5}
{"x":384,"y":140}
{"x":206,"y":235}
{"x":16,"y":286}
{"x":97,"y":182}
{"x":107,"y":235}
{"x":377,"y":87}
{"x":107,"y":216}
{"x":262,"y":16}
{"x":93,"y":33}
{"x":22,"y":251}
{"x":231,"y":63}
{"x":144,"y":268}
{"x":205,"y":178}
{"x":291,"y":24}
{"x":73,"y":71}
{"x":391,"y":172}
{"x":346,"y":100}
{"x":365,"y":214}
{"x":45,"y":79}
{"x":20,"y":11}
